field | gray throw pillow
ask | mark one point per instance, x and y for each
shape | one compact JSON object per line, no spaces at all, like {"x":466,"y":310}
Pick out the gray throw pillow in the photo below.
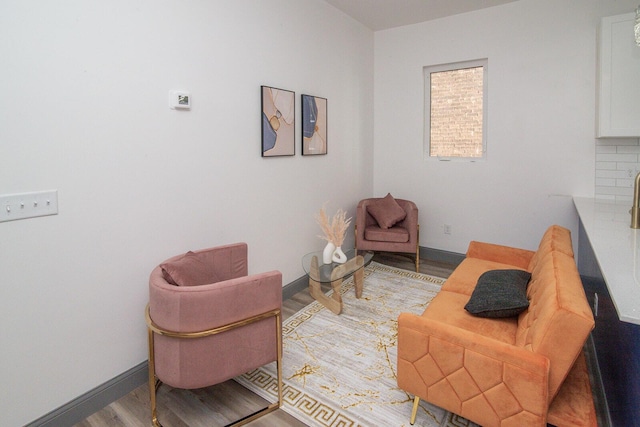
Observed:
{"x":500,"y":293}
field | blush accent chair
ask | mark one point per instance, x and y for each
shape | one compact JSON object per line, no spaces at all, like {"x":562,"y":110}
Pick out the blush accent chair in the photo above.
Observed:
{"x":209,"y":321}
{"x":388,"y":225}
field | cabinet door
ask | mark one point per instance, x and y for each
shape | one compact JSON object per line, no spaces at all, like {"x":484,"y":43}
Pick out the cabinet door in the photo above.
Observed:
{"x":619,"y":78}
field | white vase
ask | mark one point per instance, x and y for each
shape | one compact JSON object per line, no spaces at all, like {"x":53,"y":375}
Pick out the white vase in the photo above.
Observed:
{"x":339,"y":256}
{"x":327,"y":253}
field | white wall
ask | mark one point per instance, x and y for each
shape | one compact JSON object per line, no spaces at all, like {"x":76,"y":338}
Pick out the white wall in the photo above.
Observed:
{"x":84,"y":110}
{"x":541,"y":125}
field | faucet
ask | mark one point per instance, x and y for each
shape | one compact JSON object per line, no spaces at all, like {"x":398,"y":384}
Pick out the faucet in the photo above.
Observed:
{"x":635,"y":209}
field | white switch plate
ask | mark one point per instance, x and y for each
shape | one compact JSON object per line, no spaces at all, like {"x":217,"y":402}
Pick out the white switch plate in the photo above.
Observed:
{"x":28,"y":205}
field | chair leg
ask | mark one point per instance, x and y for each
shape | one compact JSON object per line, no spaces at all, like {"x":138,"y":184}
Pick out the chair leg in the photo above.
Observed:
{"x":355,"y":240}
{"x":418,"y":250}
{"x":272,"y":407}
{"x":279,"y":354}
{"x":414,"y":411}
{"x":153,"y":382}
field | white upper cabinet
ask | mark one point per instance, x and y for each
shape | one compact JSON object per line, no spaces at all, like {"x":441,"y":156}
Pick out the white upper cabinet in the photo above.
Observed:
{"x":618,"y":78}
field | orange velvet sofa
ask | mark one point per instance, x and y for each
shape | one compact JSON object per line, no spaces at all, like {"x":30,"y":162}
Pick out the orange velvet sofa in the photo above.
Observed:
{"x":526,"y":370}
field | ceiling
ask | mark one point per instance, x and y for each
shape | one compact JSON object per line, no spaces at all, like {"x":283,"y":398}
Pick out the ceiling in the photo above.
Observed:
{"x":383,"y":14}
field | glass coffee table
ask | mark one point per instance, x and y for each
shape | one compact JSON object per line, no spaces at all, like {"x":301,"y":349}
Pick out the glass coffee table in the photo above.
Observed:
{"x":334,"y":274}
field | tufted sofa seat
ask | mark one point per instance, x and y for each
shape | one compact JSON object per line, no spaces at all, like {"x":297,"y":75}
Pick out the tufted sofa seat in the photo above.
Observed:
{"x":525,"y":370}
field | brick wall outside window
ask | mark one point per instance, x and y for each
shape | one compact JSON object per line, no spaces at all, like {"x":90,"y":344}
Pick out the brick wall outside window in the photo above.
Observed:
{"x":456,"y":113}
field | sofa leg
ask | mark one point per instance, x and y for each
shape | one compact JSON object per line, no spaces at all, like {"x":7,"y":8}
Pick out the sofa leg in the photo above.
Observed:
{"x":414,"y":411}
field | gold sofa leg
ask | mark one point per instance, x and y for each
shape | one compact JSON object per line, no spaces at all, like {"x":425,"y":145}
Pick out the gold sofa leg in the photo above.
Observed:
{"x":414,"y":411}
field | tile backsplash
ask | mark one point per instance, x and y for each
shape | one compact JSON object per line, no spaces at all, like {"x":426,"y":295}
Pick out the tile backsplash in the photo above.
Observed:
{"x":617,"y":164}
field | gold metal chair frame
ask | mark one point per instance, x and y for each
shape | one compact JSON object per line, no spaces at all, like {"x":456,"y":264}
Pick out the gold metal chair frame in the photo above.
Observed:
{"x":154,"y":382}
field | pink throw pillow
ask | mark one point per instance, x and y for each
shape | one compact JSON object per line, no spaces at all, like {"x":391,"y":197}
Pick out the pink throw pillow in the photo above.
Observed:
{"x":386,"y":211}
{"x":188,"y":270}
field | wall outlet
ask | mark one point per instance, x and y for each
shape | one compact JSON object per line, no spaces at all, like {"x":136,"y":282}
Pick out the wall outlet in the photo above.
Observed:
{"x":447,"y":229}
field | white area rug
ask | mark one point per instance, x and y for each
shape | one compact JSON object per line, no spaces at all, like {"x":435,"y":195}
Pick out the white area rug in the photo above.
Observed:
{"x":340,"y":370}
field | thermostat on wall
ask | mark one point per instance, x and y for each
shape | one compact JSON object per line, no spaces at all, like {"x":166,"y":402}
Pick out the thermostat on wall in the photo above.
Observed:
{"x":179,"y":99}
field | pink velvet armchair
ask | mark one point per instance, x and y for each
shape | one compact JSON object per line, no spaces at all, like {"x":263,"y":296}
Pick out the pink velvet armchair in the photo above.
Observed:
{"x":389,"y":225}
{"x":210,"y":321}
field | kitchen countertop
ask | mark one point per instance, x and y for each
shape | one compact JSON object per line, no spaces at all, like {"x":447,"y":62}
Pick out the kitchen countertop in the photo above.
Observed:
{"x":617,"y":250}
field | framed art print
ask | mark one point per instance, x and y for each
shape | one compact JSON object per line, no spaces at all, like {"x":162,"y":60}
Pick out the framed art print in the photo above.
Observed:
{"x":314,"y":125}
{"x":278,"y":122}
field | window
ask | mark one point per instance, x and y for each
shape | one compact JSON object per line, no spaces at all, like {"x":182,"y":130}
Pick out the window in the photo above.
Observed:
{"x":455,"y":110}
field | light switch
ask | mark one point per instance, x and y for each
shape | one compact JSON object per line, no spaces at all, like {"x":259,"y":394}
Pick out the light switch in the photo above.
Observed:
{"x":28,"y":205}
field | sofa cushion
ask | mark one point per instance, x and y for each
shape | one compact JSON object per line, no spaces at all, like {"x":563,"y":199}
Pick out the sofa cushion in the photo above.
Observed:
{"x":500,"y":293}
{"x":559,"y":318}
{"x":189,"y":270}
{"x":464,"y":278}
{"x":386,"y":211}
{"x":448,"y":308}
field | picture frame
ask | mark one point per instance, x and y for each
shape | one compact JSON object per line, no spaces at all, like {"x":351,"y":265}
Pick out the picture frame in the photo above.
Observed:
{"x":278,"y":122}
{"x":314,"y":125}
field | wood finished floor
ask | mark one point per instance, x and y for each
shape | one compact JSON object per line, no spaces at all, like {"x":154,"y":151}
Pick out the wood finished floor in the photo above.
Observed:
{"x":224,"y":403}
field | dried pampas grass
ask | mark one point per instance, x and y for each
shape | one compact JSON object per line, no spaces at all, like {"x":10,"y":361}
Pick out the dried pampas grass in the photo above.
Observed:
{"x":334,"y":228}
